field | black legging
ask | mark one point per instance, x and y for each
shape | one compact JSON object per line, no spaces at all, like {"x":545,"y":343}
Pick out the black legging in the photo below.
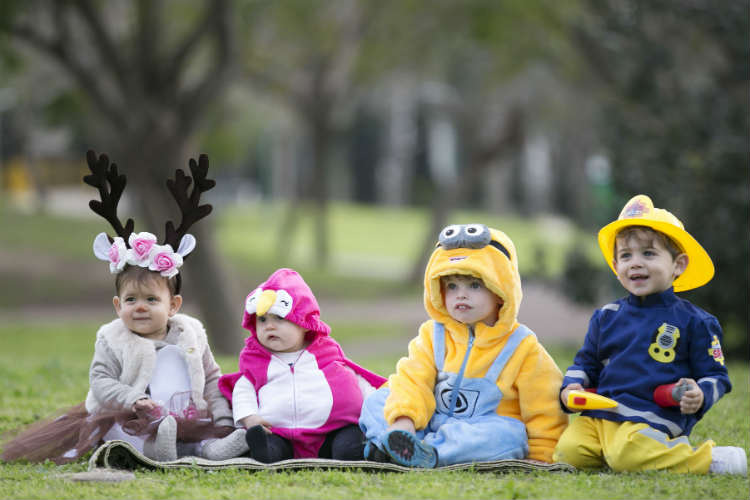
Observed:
{"x":346,"y":443}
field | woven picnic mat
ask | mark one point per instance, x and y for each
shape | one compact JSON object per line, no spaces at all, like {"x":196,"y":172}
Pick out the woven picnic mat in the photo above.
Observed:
{"x":121,"y":455}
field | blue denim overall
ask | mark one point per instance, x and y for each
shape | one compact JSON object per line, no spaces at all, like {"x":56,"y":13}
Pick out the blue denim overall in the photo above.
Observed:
{"x":465,"y":426}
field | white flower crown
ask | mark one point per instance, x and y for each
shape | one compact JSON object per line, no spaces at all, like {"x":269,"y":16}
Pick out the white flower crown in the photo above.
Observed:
{"x":143,"y":252}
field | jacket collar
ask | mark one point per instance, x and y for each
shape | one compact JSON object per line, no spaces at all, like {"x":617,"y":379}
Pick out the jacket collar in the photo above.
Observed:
{"x":665,"y":298}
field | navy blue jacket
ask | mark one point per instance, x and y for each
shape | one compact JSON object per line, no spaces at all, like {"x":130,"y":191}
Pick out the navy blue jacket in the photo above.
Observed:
{"x":633,"y":346}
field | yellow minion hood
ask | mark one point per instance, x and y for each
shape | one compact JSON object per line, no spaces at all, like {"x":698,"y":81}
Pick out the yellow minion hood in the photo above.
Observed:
{"x":482,"y":252}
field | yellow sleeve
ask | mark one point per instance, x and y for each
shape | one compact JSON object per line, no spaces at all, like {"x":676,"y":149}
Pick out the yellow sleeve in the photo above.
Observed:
{"x":413,"y":383}
{"x":538,"y":383}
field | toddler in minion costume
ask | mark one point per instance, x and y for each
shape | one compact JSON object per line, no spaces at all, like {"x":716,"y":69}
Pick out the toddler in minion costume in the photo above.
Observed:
{"x":476,"y":385}
{"x":657,"y":355}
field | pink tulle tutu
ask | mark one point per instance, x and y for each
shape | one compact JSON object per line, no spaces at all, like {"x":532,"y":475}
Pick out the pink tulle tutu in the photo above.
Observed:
{"x":74,"y":432}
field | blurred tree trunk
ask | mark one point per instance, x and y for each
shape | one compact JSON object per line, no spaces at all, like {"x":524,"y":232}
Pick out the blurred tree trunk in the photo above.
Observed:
{"x":447,"y":197}
{"x":149,"y":96}
{"x":324,"y":42}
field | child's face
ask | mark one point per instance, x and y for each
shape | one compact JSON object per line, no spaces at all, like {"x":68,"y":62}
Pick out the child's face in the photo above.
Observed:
{"x":469,"y":301}
{"x":644,"y":265}
{"x":146,"y":307}
{"x":279,"y":335}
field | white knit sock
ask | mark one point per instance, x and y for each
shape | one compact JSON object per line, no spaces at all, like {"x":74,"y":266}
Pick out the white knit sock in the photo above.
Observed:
{"x":163,"y":448}
{"x":227,"y":447}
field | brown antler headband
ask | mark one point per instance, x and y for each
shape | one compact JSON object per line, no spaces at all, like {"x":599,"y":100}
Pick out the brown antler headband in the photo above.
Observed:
{"x":141,"y":248}
{"x":190,"y":206}
{"x":102,"y":173}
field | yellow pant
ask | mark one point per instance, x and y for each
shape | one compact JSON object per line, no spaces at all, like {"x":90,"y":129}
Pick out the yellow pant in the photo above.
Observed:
{"x":628,"y":446}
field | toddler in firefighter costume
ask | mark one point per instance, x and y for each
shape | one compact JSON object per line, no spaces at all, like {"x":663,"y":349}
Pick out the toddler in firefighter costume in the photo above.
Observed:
{"x":296,"y":392}
{"x":476,"y":385}
{"x":641,"y":348}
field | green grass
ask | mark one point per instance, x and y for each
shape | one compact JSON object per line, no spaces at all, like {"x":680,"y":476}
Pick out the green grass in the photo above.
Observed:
{"x":48,"y":233}
{"x":380,"y":242}
{"x":45,"y":368}
{"x":366,"y":240}
{"x":372,"y":249}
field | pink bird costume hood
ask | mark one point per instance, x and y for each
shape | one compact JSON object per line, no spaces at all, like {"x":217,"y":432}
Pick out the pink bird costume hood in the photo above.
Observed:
{"x":287,"y":295}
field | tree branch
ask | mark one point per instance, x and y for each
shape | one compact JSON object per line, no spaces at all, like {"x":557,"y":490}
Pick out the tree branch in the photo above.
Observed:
{"x":59,"y":52}
{"x":339,"y":65}
{"x":510,"y":137}
{"x":193,"y":101}
{"x":177,"y":62}
{"x":107,"y":51}
{"x":147,"y":41}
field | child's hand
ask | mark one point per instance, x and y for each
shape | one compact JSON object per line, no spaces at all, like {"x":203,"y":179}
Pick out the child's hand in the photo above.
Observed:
{"x":254,"y":420}
{"x":566,"y":391}
{"x":403,"y":424}
{"x":144,"y":405}
{"x":692,"y":400}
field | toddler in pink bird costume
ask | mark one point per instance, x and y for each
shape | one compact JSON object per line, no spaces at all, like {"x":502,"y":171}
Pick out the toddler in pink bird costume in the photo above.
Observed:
{"x":296,"y":393}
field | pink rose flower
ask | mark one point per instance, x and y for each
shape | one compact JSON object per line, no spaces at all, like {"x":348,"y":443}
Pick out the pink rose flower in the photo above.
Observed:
{"x":165,"y":261}
{"x":141,"y":246}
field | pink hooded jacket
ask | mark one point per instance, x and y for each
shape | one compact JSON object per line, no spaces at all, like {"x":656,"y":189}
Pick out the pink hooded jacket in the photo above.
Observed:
{"x":323,"y":385}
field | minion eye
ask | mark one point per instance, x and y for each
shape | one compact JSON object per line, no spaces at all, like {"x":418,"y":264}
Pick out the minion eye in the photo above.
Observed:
{"x":450,"y":231}
{"x":450,"y":237}
{"x":476,"y":236}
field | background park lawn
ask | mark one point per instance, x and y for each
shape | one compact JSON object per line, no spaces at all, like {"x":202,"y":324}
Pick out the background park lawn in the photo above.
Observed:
{"x":54,"y":297}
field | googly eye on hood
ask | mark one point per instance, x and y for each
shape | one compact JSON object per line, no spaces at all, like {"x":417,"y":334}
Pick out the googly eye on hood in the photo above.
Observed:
{"x":286,"y":295}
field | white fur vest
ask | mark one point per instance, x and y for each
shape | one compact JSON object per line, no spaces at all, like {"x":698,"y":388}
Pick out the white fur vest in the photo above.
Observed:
{"x":137,"y":356}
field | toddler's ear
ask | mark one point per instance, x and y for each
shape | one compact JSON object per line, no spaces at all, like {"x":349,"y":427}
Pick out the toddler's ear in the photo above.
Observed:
{"x":681,"y":262}
{"x":174,"y":304}
{"x":116,"y":303}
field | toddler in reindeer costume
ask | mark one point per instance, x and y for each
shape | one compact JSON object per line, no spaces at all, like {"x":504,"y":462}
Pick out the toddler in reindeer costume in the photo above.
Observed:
{"x":153,"y":379}
{"x":477,"y":385}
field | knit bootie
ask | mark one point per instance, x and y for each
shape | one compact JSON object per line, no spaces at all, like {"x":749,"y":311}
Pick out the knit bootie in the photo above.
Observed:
{"x":163,"y":448}
{"x":227,"y":447}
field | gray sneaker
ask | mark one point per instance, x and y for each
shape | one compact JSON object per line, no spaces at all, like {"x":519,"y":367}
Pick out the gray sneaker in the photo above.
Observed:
{"x":728,"y":460}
